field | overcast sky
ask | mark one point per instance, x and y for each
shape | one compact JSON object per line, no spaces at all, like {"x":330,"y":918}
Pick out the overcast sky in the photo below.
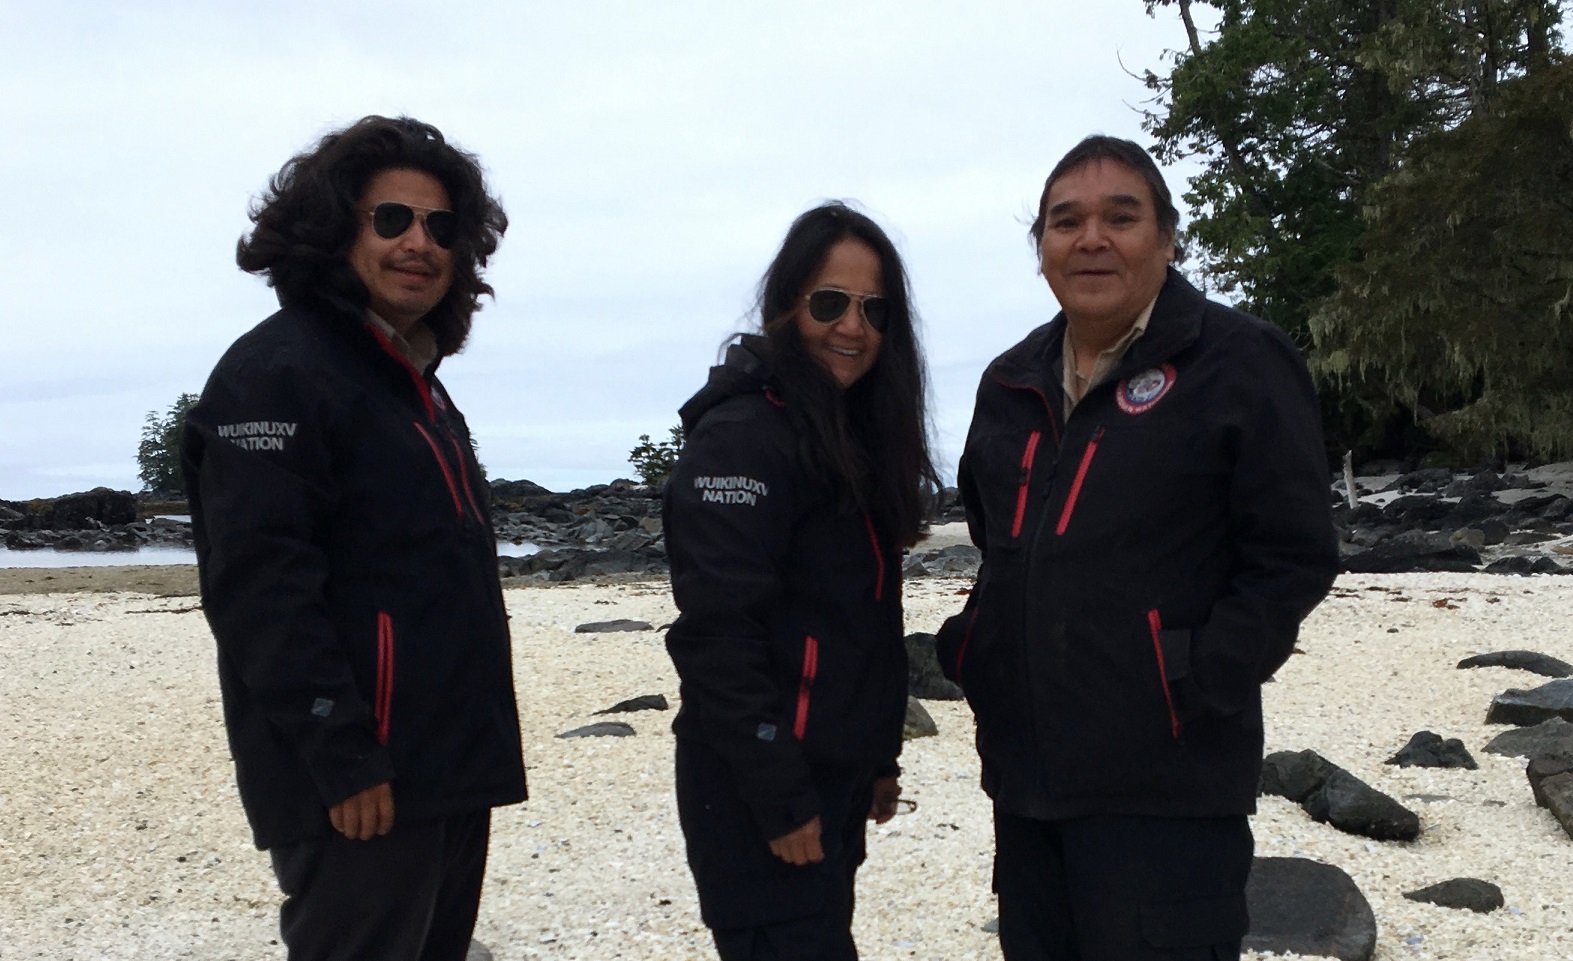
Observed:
{"x":650,"y":156}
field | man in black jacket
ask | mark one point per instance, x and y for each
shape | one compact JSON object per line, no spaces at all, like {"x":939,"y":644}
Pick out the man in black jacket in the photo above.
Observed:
{"x":1146,"y":478}
{"x":347,"y":561}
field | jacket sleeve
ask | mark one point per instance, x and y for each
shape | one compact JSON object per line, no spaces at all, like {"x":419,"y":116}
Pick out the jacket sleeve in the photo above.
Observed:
{"x":729,"y":509}
{"x":258,"y":458}
{"x":1281,"y":527}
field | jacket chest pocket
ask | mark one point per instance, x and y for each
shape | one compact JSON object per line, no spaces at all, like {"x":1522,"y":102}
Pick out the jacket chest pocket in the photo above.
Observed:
{"x":453,"y":465}
{"x":1007,"y":470}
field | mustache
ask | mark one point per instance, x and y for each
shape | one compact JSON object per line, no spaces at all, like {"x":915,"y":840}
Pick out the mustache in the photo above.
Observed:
{"x":413,"y":261}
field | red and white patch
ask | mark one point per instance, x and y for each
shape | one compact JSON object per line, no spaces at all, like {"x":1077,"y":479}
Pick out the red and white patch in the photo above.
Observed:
{"x":1138,"y":393}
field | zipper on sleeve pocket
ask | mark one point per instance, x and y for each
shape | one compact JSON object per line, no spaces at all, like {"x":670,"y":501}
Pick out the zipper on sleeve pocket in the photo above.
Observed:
{"x":1081,"y":475}
{"x":1155,"y":625}
{"x":1028,"y":454}
{"x":382,"y":709}
{"x":806,"y":685}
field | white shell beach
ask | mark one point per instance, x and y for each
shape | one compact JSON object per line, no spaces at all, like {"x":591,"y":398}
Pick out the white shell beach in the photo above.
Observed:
{"x":121,"y":835}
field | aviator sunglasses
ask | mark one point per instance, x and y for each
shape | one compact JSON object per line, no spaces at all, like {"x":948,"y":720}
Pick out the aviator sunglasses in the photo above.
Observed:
{"x":391,"y":219}
{"x":827,"y":304}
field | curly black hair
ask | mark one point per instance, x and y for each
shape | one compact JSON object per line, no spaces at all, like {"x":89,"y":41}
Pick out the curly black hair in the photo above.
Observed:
{"x":309,"y":218}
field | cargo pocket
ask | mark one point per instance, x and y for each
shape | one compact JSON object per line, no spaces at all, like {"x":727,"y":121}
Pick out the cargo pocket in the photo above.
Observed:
{"x":1197,"y":923}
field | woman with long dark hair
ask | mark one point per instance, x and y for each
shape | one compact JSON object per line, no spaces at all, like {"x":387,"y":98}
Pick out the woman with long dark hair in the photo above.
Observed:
{"x":804,"y":473}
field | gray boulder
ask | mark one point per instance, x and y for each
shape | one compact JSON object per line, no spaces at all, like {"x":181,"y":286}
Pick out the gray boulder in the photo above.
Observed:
{"x":1299,"y":906}
{"x":1355,"y":807}
{"x":1524,"y":565}
{"x":612,"y":627}
{"x":918,"y":723}
{"x":601,"y":729}
{"x":1414,"y":552}
{"x":1542,"y":664}
{"x":924,"y":678}
{"x":644,"y":702}
{"x":1542,"y":766}
{"x":1547,"y":737}
{"x":1427,"y":749}
{"x":1558,"y":792}
{"x":1473,"y":894}
{"x":1549,"y":700}
{"x":1294,"y":774}
{"x":1332,"y":795}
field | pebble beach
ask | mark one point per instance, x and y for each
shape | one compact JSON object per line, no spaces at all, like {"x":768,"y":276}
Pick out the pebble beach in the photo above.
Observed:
{"x":121,"y":835}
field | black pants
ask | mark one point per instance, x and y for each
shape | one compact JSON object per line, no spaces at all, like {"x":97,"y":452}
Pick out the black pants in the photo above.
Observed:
{"x":1121,"y":888}
{"x":758,"y":907}
{"x":410,"y":895}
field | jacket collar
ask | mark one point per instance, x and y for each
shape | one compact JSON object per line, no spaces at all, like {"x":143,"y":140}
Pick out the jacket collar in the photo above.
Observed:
{"x":1175,"y":324}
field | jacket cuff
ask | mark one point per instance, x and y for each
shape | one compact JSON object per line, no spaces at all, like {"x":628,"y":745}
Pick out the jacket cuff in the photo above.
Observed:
{"x":888,"y":769}
{"x":338,"y":784}
{"x":780,"y":818}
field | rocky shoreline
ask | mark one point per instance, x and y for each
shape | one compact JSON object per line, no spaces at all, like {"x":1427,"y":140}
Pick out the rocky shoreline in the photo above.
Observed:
{"x":1519,"y":521}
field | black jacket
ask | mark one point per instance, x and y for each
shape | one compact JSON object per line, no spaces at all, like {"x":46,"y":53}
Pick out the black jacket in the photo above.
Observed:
{"x":1146,"y":565}
{"x":349,"y":573}
{"x":789,"y":643}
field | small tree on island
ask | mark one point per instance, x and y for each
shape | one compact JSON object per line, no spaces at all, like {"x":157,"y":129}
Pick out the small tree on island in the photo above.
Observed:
{"x":655,"y":461}
{"x":158,"y":455}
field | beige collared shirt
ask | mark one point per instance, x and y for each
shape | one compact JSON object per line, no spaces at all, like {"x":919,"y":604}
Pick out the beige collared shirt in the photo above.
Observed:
{"x":1109,"y":359}
{"x":420,"y":348}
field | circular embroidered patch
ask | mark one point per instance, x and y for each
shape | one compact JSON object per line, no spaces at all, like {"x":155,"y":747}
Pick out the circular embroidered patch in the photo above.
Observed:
{"x":1138,"y":393}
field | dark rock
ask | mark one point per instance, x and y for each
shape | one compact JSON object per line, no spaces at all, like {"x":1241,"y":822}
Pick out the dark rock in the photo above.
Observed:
{"x":1552,"y":699}
{"x":918,"y":723}
{"x":478,"y":952}
{"x":1524,"y":565}
{"x":1485,"y":482}
{"x":90,"y":510}
{"x":1525,"y":538}
{"x":1430,"y":480}
{"x":1355,"y":807}
{"x":601,"y":729}
{"x":1558,"y":792}
{"x":1479,"y":896}
{"x":1558,"y":510}
{"x":1427,"y":749}
{"x":1414,"y":552}
{"x":1542,"y":664}
{"x":958,"y":559}
{"x":1494,"y":531}
{"x":1543,"y":766}
{"x":992,"y":927}
{"x":923,"y":674}
{"x":1299,"y":906}
{"x":1547,"y":737}
{"x":612,"y":627}
{"x":644,"y":702}
{"x":517,"y":491}
{"x":1294,"y":774}
{"x":1417,"y":511}
{"x":1534,"y":505}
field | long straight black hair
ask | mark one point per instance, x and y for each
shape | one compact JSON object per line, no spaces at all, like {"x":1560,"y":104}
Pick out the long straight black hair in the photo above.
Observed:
{"x":870,"y":440}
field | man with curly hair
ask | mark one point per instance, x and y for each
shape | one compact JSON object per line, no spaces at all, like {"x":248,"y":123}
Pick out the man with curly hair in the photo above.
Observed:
{"x":346,"y":555}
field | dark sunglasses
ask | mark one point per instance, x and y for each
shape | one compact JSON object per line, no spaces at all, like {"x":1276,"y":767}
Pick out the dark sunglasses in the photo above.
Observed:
{"x":391,"y":219}
{"x":827,"y":304}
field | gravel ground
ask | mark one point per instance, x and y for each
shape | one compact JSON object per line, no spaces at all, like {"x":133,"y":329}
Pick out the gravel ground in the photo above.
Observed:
{"x":121,"y":836}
